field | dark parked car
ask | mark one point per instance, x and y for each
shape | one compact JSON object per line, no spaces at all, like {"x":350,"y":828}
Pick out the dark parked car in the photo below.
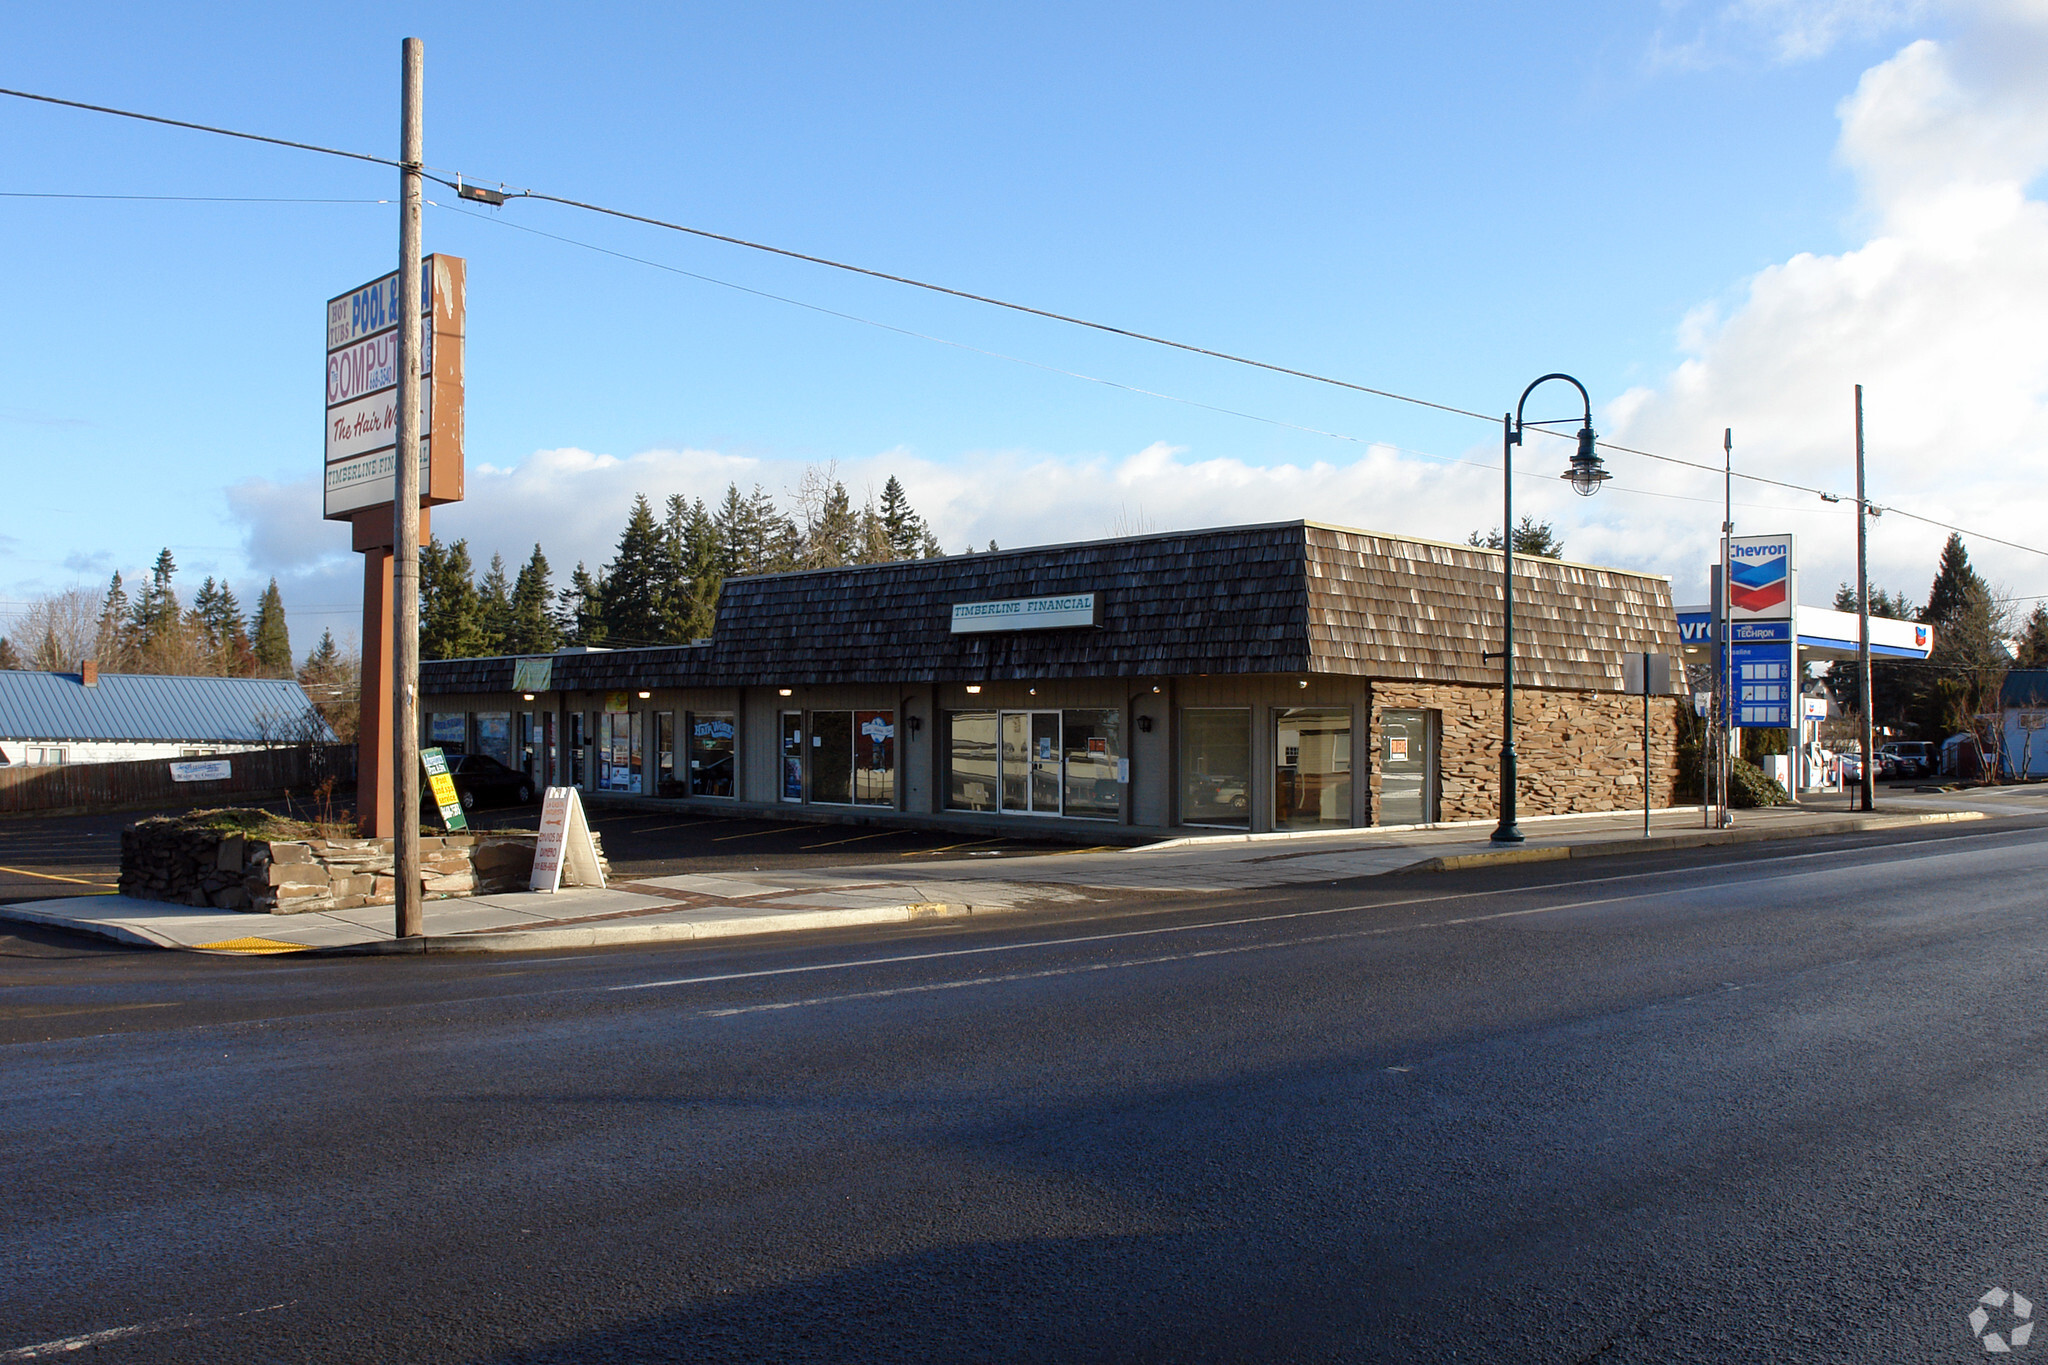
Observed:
{"x":481,"y":780}
{"x":1908,"y":758}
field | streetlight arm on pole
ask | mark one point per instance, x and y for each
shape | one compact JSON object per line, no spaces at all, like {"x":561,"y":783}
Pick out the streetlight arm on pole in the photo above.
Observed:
{"x":1586,"y":475}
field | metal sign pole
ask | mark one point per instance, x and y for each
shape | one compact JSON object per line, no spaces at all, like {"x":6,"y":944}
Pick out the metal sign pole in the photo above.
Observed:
{"x":1866,"y":782}
{"x":405,"y":503}
{"x":1646,"y":746}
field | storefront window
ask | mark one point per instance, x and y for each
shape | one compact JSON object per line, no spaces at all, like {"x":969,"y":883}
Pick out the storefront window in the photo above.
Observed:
{"x":972,"y":767}
{"x":1092,"y":747}
{"x":711,"y":753}
{"x":448,"y":731}
{"x":832,"y":757}
{"x":792,"y":756}
{"x":874,"y":758}
{"x":665,"y":783}
{"x":1216,"y":765}
{"x":1312,"y":772}
{"x":853,"y":757}
{"x":494,"y":736}
{"x":1035,"y":762}
{"x":619,"y":740}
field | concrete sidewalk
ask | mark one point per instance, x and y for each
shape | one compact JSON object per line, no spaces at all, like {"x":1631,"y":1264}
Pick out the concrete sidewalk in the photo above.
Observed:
{"x":697,"y":906}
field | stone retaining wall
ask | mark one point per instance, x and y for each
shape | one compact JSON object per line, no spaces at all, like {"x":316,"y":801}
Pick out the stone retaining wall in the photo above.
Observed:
{"x":1574,"y":751}
{"x":164,"y":861}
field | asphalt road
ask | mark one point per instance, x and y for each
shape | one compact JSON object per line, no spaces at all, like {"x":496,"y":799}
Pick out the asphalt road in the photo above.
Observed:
{"x":1778,"y":1102}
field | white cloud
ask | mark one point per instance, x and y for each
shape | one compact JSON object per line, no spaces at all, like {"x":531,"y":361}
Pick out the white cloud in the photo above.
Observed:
{"x":1937,"y":314}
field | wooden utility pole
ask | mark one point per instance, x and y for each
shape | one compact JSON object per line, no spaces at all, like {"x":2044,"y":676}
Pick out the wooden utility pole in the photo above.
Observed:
{"x":405,"y":505}
{"x":1867,"y":783}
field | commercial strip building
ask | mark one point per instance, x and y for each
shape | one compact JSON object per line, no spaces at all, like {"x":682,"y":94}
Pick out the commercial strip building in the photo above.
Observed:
{"x":1283,"y":676}
{"x":94,"y":717}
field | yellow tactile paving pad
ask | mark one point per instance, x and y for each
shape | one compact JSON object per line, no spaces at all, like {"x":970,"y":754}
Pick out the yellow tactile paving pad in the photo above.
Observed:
{"x":252,"y":945}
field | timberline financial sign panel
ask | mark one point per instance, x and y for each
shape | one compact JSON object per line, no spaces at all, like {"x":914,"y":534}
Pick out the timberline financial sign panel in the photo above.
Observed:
{"x":1026,"y":613}
{"x":362,"y":390}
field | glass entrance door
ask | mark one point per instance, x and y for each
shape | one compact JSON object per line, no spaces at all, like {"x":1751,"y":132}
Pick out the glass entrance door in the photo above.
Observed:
{"x":1407,"y":769}
{"x":1031,"y":762}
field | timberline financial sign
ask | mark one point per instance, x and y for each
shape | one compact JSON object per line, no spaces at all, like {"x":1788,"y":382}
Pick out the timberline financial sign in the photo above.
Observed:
{"x":1027,"y":613}
{"x":362,"y":390}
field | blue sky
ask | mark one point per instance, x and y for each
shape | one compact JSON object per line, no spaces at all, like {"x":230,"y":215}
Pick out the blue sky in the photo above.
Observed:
{"x":1441,"y":200}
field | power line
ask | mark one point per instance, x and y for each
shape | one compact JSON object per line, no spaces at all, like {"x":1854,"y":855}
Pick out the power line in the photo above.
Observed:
{"x":185,"y":198}
{"x":202,"y":127}
{"x":458,"y":184}
{"x":1041,"y":365}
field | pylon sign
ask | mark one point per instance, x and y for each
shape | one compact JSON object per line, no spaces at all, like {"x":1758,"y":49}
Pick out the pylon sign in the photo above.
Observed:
{"x":1763,"y":597}
{"x":361,"y":442}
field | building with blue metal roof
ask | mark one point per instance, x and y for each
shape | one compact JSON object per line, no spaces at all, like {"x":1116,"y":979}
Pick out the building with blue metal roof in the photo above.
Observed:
{"x":93,"y":717}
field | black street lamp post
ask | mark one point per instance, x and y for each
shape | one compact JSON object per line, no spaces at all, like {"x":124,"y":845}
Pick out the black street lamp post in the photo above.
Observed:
{"x":1586,"y":475}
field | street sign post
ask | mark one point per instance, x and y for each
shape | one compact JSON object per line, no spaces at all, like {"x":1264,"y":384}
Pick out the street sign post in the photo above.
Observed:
{"x":1643,"y":675}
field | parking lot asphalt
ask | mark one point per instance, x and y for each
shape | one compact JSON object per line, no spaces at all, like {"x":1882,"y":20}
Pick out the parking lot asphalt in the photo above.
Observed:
{"x":81,"y":855}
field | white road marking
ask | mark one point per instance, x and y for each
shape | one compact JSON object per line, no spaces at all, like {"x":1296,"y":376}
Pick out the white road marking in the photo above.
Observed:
{"x":1157,"y":930}
{"x":44,"y":1350}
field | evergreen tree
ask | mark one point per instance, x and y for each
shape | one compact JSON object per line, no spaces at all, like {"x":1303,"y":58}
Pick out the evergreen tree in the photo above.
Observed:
{"x":10,"y":657}
{"x":532,"y":628}
{"x":699,"y":550}
{"x":272,"y":644}
{"x":905,"y":530}
{"x":778,"y":545}
{"x":494,"y":608}
{"x":1969,"y":659}
{"x":582,"y":616}
{"x":637,"y":581}
{"x":451,"y":619}
{"x":2033,"y":644}
{"x":222,"y":635}
{"x":111,"y":647}
{"x":155,"y":615}
{"x":1531,"y":538}
{"x":333,"y":681}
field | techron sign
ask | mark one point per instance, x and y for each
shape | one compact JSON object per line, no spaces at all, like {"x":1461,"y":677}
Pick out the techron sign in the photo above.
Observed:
{"x":1026,"y":613}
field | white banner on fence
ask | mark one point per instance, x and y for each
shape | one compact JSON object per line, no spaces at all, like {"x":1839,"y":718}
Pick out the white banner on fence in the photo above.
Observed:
{"x":211,"y":770}
{"x":565,"y":851}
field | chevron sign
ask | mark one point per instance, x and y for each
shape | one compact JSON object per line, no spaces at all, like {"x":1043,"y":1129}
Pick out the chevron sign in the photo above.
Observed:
{"x":1760,"y":578}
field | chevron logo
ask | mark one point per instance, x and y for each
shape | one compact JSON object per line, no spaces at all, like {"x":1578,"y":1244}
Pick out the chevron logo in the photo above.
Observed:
{"x":1758,"y":585}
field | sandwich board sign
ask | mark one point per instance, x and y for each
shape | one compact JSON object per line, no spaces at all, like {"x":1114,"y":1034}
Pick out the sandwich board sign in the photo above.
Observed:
{"x":565,"y":854}
{"x":443,"y":788}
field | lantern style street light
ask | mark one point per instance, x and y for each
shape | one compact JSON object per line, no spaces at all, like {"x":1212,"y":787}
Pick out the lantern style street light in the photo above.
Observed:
{"x":1586,"y":475}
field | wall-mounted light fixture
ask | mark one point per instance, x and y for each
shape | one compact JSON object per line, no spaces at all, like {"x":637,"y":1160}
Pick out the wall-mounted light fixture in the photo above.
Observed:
{"x":784,"y":692}
{"x":645,"y":695}
{"x":1032,"y":690}
{"x":1145,"y":724}
{"x":913,"y":723}
{"x":974,"y":689}
{"x":526,"y":696}
{"x":1155,"y":687}
{"x":1304,"y":683}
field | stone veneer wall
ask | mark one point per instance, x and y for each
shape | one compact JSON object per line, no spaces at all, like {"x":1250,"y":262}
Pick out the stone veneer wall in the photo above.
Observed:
{"x":1574,"y":751}
{"x":287,"y":877}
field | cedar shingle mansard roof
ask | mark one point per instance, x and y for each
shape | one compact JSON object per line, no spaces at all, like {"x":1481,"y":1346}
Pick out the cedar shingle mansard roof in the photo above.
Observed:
{"x":1290,"y":597}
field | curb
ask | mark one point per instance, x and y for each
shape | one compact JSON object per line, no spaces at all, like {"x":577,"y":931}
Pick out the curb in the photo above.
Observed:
{"x":623,"y":935}
{"x":526,"y":940}
{"x":1697,"y":839}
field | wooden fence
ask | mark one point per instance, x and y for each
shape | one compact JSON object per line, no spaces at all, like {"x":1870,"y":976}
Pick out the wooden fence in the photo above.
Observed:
{"x":78,"y":788}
